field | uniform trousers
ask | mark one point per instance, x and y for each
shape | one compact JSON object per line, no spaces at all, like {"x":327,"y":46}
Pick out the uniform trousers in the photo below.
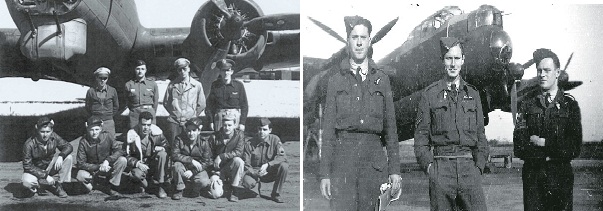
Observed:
{"x":456,"y":184}
{"x":117,"y":168}
{"x":157,"y":167}
{"x":276,"y":173}
{"x":200,"y":178}
{"x":109,"y":126}
{"x":359,"y":167}
{"x":547,"y":185}
{"x":30,"y":181}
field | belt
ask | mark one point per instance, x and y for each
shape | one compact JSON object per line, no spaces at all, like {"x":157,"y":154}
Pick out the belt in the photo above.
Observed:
{"x":452,"y":158}
{"x":145,"y":106}
{"x":355,"y":131}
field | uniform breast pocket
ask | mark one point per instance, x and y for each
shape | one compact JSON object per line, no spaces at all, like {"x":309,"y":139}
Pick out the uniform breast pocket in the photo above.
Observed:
{"x":470,"y":111}
{"x":233,"y":98}
{"x":376,"y":103}
{"x":439,"y":116}
{"x":562,"y":122}
{"x":533,"y":122}
{"x":343,"y":102}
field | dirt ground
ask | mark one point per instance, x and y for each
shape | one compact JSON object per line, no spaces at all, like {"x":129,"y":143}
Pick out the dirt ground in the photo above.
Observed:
{"x":12,"y":194}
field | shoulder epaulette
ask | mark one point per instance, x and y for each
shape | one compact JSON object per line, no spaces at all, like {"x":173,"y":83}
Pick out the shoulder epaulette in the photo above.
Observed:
{"x":569,"y":96}
{"x":432,"y":85}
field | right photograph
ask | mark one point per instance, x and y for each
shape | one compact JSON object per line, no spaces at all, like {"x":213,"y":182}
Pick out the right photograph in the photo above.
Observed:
{"x":451,"y":107}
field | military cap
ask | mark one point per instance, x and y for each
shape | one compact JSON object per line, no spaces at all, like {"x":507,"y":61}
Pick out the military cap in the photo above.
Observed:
{"x":193,"y":122}
{"x":264,"y":121}
{"x":446,"y":43}
{"x":181,"y":62}
{"x":225,"y":64}
{"x":229,"y":117}
{"x":94,"y":121}
{"x":43,"y":121}
{"x":351,"y":21}
{"x":543,"y":53}
{"x":102,"y":71}
{"x":139,"y":62}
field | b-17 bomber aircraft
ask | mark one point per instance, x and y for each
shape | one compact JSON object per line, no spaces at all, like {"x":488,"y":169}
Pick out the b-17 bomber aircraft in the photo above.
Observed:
{"x":68,"y":39}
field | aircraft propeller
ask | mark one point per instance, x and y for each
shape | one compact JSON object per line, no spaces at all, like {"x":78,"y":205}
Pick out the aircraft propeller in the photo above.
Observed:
{"x":236,"y":21}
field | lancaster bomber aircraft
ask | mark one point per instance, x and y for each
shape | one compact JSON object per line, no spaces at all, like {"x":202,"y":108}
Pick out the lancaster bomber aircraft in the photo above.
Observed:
{"x":417,"y":63}
{"x":68,"y":39}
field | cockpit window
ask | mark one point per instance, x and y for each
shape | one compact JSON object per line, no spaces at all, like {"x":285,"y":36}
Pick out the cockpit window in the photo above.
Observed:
{"x":486,"y":15}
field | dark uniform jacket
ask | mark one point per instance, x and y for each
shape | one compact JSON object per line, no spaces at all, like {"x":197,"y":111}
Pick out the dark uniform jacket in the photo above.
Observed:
{"x":450,"y":128}
{"x":234,"y":147}
{"x":91,"y":153}
{"x":225,"y":96}
{"x":201,"y":152}
{"x":155,"y":138}
{"x":354,"y":105}
{"x":558,"y":123}
{"x":36,"y":159}
{"x":258,"y":152}
{"x":143,"y":92}
{"x":106,"y":107}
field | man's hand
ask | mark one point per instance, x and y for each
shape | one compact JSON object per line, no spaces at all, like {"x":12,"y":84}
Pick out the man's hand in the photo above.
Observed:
{"x":142,"y":166}
{"x":58,"y":163}
{"x":394,"y":179}
{"x":188,"y":174}
{"x":50,"y":180}
{"x":217,"y":162}
{"x":198,"y":165}
{"x":537,"y":140}
{"x":159,"y":149}
{"x":104,"y":167}
{"x":325,"y":188}
{"x":263,"y":170}
{"x":241,"y":127}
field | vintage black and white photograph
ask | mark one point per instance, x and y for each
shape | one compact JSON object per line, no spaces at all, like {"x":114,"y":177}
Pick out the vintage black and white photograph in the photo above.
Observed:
{"x":451,"y":106}
{"x":148,"y":104}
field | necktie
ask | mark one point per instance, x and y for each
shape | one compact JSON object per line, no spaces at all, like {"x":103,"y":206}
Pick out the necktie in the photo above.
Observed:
{"x":454,"y":92}
{"x":547,"y":99}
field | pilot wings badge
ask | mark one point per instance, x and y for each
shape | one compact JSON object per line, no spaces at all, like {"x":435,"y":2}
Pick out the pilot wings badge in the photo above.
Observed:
{"x":386,"y":197}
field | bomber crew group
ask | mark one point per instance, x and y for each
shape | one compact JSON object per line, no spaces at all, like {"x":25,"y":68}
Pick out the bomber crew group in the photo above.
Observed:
{"x":360,"y":146}
{"x":224,"y":163}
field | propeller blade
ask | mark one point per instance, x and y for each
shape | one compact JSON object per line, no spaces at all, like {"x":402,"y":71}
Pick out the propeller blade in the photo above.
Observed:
{"x":221,"y":4}
{"x":514,"y":102}
{"x":275,"y":22}
{"x":328,"y":30}
{"x":210,"y":72}
{"x":381,"y":33}
{"x":528,"y":64}
{"x":568,"y":61}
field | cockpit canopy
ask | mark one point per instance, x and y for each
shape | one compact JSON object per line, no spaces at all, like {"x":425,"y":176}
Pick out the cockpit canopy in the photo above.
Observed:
{"x":486,"y":15}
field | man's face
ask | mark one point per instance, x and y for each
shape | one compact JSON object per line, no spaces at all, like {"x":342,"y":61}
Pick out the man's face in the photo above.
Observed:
{"x":226,"y":74}
{"x":140,"y":71}
{"x":547,"y":73}
{"x":264,"y":131}
{"x":192,"y":132}
{"x":94,"y":131}
{"x":228,"y":126}
{"x":359,"y":42}
{"x":102,"y":80}
{"x":145,"y":126}
{"x":45,"y":132}
{"x":184,"y":71}
{"x":453,"y":60}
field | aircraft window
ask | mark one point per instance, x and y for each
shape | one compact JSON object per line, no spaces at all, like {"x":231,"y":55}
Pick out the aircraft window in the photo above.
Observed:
{"x":484,"y":18}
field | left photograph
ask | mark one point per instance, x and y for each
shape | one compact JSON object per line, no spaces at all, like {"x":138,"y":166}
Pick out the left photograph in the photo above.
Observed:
{"x":122,"y":105}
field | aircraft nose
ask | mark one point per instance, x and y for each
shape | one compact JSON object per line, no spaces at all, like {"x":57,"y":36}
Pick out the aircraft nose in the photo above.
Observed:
{"x":501,"y":47}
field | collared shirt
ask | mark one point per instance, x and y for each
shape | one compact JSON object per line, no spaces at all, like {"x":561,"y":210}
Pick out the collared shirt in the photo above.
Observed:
{"x":102,"y":102}
{"x":142,"y":92}
{"x":227,"y":150}
{"x":259,"y":151}
{"x":38,"y":155}
{"x":445,"y":121}
{"x":184,"y":99}
{"x":101,"y":92}
{"x":185,"y":151}
{"x":225,"y":96}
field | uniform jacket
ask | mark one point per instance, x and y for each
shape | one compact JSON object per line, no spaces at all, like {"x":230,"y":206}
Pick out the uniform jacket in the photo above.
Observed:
{"x":90,"y":153}
{"x":186,"y":101}
{"x":442,"y":122}
{"x":201,"y":152}
{"x":234,"y":147}
{"x":224,"y":96}
{"x":559,"y":124}
{"x":143,"y":92}
{"x":258,"y":152}
{"x":138,"y":151}
{"x":105,"y":108}
{"x":36,"y":159}
{"x":360,"y":106}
